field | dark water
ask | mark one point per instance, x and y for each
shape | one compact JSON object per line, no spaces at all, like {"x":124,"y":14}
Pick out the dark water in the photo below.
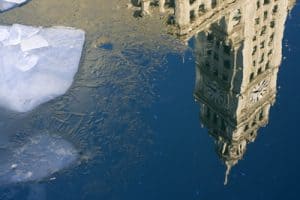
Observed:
{"x":141,"y":135}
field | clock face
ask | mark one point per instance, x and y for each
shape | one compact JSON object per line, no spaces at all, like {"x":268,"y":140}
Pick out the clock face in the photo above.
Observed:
{"x":259,"y":91}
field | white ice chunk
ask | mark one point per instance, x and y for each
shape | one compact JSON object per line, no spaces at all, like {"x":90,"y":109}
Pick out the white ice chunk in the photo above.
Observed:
{"x":4,"y":34}
{"x":18,"y":32}
{"x":9,"y":4}
{"x":34,"y":42}
{"x":16,"y":1}
{"x":31,"y":74}
{"x":27,"y":62}
{"x":38,"y":158}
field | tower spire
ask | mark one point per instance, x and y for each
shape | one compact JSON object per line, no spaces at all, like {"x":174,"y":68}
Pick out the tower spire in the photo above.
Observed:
{"x":228,"y":168}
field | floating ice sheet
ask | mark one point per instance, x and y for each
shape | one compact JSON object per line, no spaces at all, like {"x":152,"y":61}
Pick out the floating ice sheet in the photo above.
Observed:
{"x":37,"y":64}
{"x":9,"y":4}
{"x":40,"y":157}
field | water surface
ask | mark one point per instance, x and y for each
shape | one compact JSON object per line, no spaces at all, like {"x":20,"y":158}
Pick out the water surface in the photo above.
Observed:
{"x":132,"y":117}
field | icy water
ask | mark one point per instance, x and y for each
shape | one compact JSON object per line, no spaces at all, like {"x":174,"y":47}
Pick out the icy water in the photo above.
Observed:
{"x":130,"y":121}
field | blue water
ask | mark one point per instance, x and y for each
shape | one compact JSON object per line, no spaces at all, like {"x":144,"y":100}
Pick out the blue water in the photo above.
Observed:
{"x":152,"y":145}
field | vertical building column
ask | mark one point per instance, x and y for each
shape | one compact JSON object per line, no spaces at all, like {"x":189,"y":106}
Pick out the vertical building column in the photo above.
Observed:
{"x":145,"y":7}
{"x":162,"y":6}
{"x":182,"y":13}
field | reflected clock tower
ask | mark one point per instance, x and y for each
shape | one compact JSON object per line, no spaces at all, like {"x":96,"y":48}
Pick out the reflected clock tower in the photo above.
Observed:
{"x":238,"y":48}
{"x":238,"y":55}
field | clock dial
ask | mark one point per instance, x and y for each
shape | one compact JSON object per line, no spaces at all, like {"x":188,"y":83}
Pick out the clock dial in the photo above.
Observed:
{"x":259,"y":91}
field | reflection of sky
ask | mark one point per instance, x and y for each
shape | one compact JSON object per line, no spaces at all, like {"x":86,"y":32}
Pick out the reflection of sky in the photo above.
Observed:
{"x":181,"y":163}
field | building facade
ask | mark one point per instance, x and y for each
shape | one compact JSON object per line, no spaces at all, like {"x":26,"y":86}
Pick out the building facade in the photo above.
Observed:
{"x":238,"y":54}
{"x":238,"y":48}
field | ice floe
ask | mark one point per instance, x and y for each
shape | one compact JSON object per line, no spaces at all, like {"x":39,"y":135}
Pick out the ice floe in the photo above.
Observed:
{"x":9,"y":4}
{"x":40,"y":157}
{"x":37,"y":64}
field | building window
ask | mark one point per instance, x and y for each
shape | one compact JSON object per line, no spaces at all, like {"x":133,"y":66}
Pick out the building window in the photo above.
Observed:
{"x":266,"y":2}
{"x":192,"y":15}
{"x":263,"y":30}
{"x":207,"y":65}
{"x":259,"y":71}
{"x":261,"y":115}
{"x":237,"y":15}
{"x":225,"y":77}
{"x":226,"y":49}
{"x":257,"y":20}
{"x":265,"y":15}
{"x":270,"y":52}
{"x":215,"y":119}
{"x":275,"y":9}
{"x":251,"y":77}
{"x":213,"y":3}
{"x":216,"y":56}
{"x":262,"y":44}
{"x":216,"y":72}
{"x":267,"y":65}
{"x":207,"y":113}
{"x":227,"y":64}
{"x":210,"y":37}
{"x":272,"y":36}
{"x":257,"y":5}
{"x":254,"y":50}
{"x":272,"y":24}
{"x":223,"y":125}
{"x":218,"y":44}
{"x":262,"y":58}
{"x":209,"y":52}
{"x":192,"y":1}
{"x":202,"y":8}
{"x":271,"y":39}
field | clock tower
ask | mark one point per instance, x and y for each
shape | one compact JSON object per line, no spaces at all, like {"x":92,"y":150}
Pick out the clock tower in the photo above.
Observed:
{"x":238,"y":45}
{"x":238,"y":54}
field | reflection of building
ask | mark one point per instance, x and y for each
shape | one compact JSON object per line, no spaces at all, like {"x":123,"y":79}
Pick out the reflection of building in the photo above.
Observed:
{"x":238,"y":53}
{"x":238,"y":56}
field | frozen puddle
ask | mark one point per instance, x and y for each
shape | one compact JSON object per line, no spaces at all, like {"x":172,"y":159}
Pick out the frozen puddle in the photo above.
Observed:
{"x":9,"y":4}
{"x":39,"y":158}
{"x":37,"y":64}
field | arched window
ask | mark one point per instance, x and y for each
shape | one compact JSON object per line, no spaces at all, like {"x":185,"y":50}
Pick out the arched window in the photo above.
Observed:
{"x":192,"y":15}
{"x":223,"y":125}
{"x":261,"y":115}
{"x":213,"y":3}
{"x":266,"y":2}
{"x":192,"y":1}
